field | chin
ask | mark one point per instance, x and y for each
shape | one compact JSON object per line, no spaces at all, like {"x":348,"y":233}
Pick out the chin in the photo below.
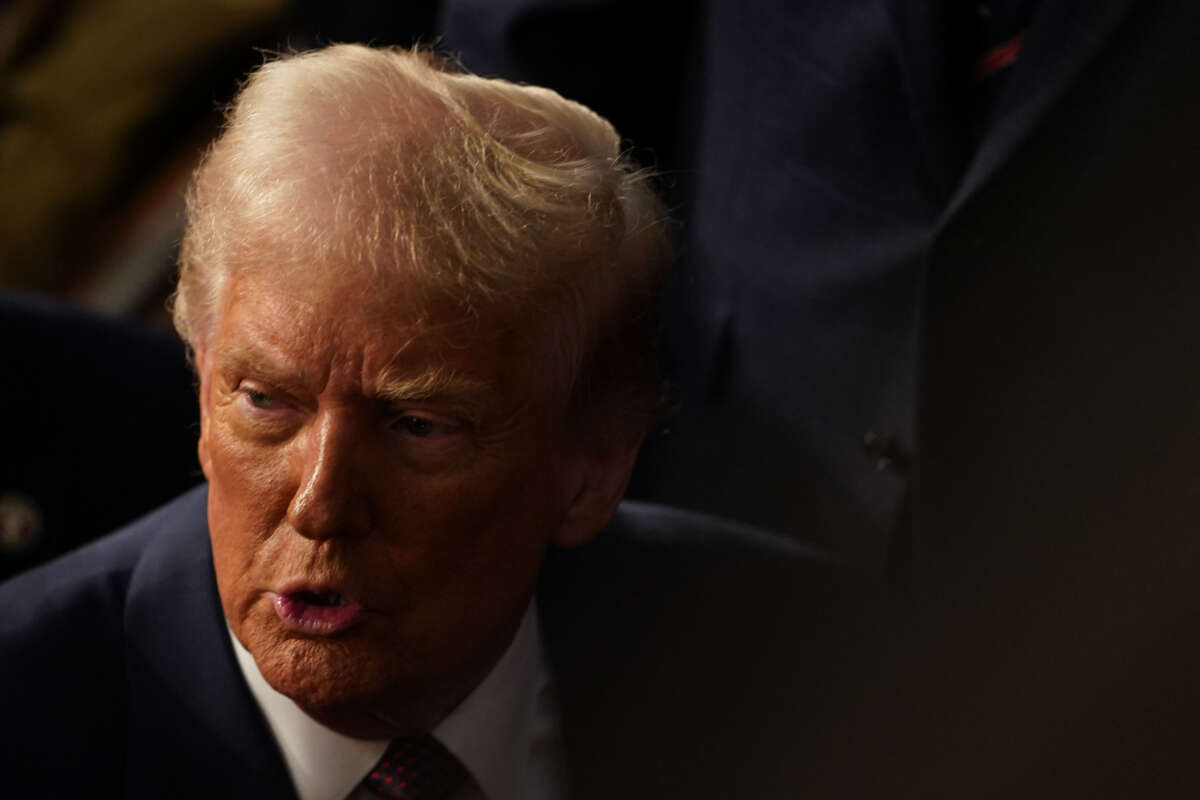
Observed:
{"x":313,"y":672}
{"x":346,"y":688}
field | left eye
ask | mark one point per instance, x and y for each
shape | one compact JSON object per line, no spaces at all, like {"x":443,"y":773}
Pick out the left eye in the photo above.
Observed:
{"x":260,"y":399}
{"x":420,"y":427}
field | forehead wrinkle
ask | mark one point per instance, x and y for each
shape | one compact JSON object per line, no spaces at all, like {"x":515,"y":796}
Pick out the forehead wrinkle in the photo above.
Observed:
{"x":249,"y":333}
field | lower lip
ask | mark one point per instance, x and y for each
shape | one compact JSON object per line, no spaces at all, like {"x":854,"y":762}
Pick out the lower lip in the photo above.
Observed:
{"x":313,"y":618}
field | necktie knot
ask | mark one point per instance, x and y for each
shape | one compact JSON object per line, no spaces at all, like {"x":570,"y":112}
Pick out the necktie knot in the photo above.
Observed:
{"x":419,"y":768}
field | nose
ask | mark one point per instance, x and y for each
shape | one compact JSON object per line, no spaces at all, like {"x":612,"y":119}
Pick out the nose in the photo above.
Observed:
{"x":329,"y":501}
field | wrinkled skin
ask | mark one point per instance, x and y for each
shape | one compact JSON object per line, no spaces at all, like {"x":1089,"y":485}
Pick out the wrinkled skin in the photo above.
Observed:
{"x":421,"y":468}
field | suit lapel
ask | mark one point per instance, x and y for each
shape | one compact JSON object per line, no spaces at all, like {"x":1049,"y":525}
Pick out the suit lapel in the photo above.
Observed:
{"x":194,"y":727}
{"x":1063,"y":39}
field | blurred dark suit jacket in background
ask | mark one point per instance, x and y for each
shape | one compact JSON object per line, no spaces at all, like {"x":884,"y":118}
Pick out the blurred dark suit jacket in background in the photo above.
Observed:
{"x":1008,"y":320}
{"x":98,"y":423}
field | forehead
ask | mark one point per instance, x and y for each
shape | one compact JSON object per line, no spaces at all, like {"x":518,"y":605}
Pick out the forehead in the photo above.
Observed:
{"x":366,"y":333}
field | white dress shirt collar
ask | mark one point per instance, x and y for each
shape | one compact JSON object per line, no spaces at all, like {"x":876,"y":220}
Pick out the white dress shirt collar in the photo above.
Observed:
{"x":505,"y":732}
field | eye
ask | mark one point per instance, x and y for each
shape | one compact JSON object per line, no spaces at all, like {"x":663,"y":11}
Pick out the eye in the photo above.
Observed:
{"x":428,"y":427}
{"x":260,"y":399}
{"x":420,"y":427}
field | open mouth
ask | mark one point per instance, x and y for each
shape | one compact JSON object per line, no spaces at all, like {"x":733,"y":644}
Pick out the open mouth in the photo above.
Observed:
{"x":320,"y":612}
{"x":321,"y":598}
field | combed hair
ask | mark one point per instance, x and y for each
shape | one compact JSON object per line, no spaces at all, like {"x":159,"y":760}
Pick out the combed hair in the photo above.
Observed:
{"x":497,"y":197}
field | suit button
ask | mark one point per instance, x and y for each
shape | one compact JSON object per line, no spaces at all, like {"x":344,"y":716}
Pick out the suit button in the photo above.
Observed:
{"x":884,"y":452}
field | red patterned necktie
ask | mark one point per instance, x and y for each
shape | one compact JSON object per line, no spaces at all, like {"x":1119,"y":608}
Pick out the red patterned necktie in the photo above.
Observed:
{"x":419,"y":768}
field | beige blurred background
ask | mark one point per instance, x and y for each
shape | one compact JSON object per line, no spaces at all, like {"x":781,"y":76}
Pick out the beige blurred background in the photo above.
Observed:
{"x":105,"y":108}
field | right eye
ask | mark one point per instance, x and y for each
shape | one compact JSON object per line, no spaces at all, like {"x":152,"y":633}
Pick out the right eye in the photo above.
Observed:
{"x":263,"y":412}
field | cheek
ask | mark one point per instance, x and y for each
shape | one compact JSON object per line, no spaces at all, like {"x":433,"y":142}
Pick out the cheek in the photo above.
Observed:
{"x":248,"y":497}
{"x":470,"y":557}
{"x":247,"y":474}
{"x":479,"y":530}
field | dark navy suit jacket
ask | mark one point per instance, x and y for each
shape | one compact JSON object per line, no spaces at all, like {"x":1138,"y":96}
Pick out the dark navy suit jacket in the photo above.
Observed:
{"x":668,"y":638}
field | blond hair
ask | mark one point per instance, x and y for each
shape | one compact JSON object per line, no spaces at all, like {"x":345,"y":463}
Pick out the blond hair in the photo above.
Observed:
{"x":489,"y":194}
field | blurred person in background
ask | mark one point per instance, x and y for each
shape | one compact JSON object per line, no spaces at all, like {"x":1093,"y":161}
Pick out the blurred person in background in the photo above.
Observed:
{"x":938,"y":313}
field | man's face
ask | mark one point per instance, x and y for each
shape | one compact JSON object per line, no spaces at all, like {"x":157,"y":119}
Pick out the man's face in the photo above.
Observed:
{"x":381,"y":494}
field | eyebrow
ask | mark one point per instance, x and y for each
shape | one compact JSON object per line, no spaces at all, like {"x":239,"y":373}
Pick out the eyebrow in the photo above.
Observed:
{"x":435,"y":384}
{"x":393,"y":387}
{"x":243,"y":359}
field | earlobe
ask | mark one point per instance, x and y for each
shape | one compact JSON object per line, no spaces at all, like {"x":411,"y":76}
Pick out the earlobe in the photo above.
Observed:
{"x":598,"y":489}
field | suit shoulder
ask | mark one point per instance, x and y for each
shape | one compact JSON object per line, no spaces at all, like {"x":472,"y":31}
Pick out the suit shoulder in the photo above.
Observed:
{"x":651,"y":526}
{"x":89,"y":585}
{"x":62,"y":646}
{"x":692,"y":635}
{"x":649,"y":549}
{"x":656,"y":569}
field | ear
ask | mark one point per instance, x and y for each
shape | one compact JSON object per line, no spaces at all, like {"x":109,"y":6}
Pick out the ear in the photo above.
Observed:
{"x":599,"y":480}
{"x":200,"y":360}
